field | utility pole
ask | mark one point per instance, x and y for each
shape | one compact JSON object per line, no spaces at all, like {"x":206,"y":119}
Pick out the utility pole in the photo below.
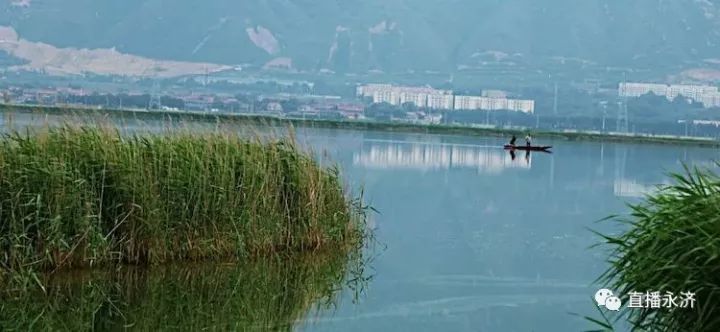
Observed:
{"x":604,"y":106}
{"x":205,"y":78}
{"x":155,"y":100}
{"x":622,"y":118}
{"x":555,"y":100}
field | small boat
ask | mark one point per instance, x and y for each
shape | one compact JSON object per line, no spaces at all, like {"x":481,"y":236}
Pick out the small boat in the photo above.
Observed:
{"x":527,"y":148}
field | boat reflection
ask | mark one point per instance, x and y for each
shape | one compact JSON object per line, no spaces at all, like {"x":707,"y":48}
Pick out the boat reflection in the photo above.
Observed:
{"x":430,"y":156}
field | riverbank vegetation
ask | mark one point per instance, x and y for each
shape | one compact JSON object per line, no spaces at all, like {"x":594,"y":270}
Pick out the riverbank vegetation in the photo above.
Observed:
{"x":672,"y":245}
{"x":77,"y":197}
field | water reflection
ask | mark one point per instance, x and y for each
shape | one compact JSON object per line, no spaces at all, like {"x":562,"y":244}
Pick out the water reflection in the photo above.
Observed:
{"x":633,"y":189}
{"x":271,"y":294}
{"x":430,"y":156}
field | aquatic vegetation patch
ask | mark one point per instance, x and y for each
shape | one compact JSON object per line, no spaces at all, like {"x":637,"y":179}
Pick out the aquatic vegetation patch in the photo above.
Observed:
{"x":672,"y":246}
{"x":87,"y":196}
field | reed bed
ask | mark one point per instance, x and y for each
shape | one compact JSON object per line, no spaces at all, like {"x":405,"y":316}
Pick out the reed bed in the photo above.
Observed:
{"x":89,"y":196}
{"x":672,"y":245}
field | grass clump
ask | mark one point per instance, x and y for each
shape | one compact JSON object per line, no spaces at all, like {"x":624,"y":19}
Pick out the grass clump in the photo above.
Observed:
{"x":83,"y":197}
{"x":672,"y":245}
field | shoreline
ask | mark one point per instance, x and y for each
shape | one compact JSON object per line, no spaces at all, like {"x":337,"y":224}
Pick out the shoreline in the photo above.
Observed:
{"x":370,"y":125}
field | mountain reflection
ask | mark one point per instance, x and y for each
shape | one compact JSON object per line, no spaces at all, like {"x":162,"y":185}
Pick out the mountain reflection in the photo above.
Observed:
{"x":430,"y":156}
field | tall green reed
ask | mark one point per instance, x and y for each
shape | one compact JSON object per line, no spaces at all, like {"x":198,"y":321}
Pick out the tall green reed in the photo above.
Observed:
{"x":672,"y":245}
{"x":89,"y":196}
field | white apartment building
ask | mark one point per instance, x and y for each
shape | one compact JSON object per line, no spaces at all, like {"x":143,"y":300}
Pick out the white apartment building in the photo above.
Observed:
{"x":369,"y":90}
{"x":711,"y":100}
{"x":386,"y":96}
{"x":467,"y":103}
{"x":494,"y":104}
{"x":694,"y":92}
{"x":639,"y":89}
{"x":418,"y":99}
{"x":441,"y":101}
{"x":705,"y":94}
{"x":494,"y":94}
{"x":525,"y":106}
{"x":497,"y":104}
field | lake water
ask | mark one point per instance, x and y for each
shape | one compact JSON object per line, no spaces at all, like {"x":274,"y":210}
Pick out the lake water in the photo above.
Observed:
{"x":467,"y":238}
{"x":477,"y":241}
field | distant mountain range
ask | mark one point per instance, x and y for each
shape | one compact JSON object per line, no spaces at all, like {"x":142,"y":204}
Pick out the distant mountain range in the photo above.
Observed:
{"x":385,"y":35}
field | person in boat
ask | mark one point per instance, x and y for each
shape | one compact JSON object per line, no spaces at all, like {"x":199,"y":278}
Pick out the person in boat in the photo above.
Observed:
{"x":528,"y":140}
{"x":512,"y":140}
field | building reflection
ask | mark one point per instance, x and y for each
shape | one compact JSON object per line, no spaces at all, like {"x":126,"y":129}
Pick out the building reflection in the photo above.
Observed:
{"x":632,"y":188}
{"x":429,"y":156}
{"x":625,"y":186}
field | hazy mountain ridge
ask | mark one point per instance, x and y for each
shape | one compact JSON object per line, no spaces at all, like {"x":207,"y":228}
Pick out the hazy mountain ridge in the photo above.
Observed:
{"x":388,"y":35}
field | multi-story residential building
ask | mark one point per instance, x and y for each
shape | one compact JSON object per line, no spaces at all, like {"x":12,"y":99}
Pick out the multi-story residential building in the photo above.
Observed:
{"x":711,"y":100}
{"x":497,"y":104}
{"x":370,"y":89}
{"x":639,"y":89}
{"x":441,"y":101}
{"x":694,"y":92}
{"x":494,"y":94}
{"x":386,"y":96}
{"x":493,"y":104}
{"x":418,"y":99}
{"x":525,"y":106}
{"x":705,"y":94}
{"x":467,"y":102}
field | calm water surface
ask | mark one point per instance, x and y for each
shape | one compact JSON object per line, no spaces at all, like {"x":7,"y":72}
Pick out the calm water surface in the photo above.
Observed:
{"x":470,"y":239}
{"x":477,"y":241}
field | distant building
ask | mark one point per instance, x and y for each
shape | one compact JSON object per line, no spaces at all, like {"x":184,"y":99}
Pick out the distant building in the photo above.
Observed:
{"x":370,"y":89}
{"x":386,"y":96}
{"x":274,"y":107}
{"x":494,"y":94}
{"x":640,"y":89}
{"x":351,"y":107}
{"x":418,"y":99}
{"x":705,"y":94}
{"x":398,"y":95}
{"x":427,"y":97}
{"x":467,"y":103}
{"x":694,"y":92}
{"x":494,"y":104}
{"x":440,"y":101}
{"x":711,"y":100}
{"x":525,"y":106}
